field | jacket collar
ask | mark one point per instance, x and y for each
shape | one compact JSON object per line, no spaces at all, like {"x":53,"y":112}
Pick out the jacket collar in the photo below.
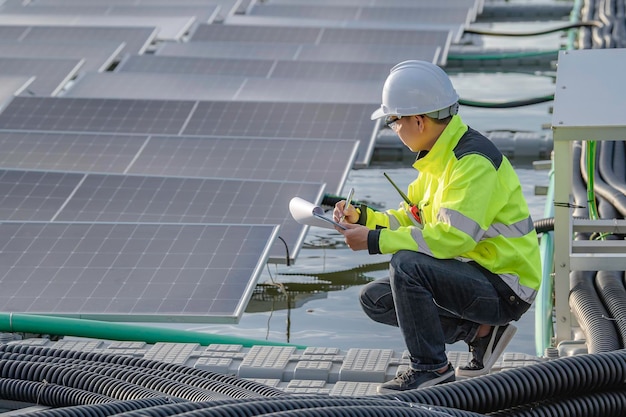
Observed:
{"x":435,"y":160}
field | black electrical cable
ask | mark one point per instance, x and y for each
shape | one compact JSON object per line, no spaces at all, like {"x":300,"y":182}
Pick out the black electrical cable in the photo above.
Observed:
{"x":534,"y":33}
{"x":507,"y":104}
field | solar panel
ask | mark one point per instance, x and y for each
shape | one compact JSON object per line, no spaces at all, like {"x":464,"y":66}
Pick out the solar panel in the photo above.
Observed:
{"x":254,"y":158}
{"x":389,"y":3}
{"x":285,"y":120}
{"x":239,"y":50}
{"x":156,"y":86}
{"x":314,"y":91}
{"x":96,"y":115}
{"x":224,"y":4}
{"x":386,"y":37}
{"x":136,"y":39}
{"x":97,"y":56}
{"x":132,"y":272}
{"x":205,"y":118}
{"x":68,"y":152}
{"x":319,"y":35}
{"x":336,"y":71}
{"x":50,"y":74}
{"x":171,"y":28}
{"x":425,"y":14}
{"x":310,"y":70}
{"x":55,"y":196}
{"x":235,"y":33}
{"x":11,"y":33}
{"x":204,"y":14}
{"x":435,"y":14}
{"x":129,"y":85}
{"x":457,"y":29}
{"x":195,"y":65}
{"x":369,"y":53}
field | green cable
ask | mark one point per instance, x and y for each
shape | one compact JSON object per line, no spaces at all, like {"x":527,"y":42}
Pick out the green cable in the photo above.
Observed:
{"x":505,"y":55}
{"x":591,"y":169}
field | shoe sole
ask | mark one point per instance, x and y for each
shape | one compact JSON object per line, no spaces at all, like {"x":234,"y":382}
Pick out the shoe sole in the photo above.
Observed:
{"x":443,"y":379}
{"x":498,"y":350}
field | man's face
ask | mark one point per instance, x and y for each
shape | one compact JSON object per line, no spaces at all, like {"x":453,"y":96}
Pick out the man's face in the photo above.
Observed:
{"x":410,"y":130}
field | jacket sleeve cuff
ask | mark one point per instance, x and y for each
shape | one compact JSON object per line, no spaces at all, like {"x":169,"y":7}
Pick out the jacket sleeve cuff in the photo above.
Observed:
{"x":362,"y":210}
{"x":372,"y":242}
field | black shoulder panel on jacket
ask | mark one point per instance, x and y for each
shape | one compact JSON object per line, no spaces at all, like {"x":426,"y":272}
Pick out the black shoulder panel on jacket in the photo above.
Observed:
{"x":473,"y":142}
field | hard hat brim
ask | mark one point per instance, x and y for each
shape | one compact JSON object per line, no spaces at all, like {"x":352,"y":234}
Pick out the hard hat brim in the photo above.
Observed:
{"x":378,"y":113}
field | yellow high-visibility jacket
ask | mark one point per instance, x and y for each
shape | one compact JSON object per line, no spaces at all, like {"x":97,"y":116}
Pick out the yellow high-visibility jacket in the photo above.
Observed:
{"x":471,"y":207}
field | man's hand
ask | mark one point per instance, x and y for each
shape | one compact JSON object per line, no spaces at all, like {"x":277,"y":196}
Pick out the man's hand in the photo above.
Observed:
{"x":350,"y":212}
{"x":355,"y":236}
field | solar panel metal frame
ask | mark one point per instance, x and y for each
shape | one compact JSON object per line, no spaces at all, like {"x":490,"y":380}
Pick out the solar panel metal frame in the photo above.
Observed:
{"x":67,"y":267}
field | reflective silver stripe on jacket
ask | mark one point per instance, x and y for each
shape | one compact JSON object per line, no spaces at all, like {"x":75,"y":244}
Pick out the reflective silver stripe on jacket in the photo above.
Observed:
{"x":525,"y":293}
{"x":473,"y":229}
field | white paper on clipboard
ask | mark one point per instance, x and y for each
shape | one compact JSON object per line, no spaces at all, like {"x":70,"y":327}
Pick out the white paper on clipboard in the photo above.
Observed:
{"x":305,"y":212}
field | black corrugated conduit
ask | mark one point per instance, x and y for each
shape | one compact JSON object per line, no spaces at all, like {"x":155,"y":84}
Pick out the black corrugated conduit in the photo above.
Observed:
{"x":252,"y":388}
{"x":611,"y":403}
{"x":255,"y":407}
{"x":47,"y":394}
{"x":564,"y":377}
{"x":100,"y":410}
{"x":555,"y":380}
{"x":73,"y":377}
{"x":600,"y":333}
{"x":611,"y":289}
{"x":217,"y":389}
{"x":187,"y":387}
{"x":607,"y":185}
{"x":584,"y":300}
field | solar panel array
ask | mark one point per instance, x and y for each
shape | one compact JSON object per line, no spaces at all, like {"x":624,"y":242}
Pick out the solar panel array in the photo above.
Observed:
{"x":148,"y":151}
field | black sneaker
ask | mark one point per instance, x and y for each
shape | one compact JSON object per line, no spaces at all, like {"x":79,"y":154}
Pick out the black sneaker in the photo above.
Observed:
{"x":414,"y":379}
{"x":486,"y":351}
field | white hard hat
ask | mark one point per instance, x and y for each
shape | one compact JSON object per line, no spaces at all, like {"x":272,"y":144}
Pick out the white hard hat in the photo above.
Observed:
{"x":418,"y":87}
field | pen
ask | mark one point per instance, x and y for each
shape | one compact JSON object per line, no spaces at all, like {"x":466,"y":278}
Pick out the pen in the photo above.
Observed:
{"x":348,"y":202}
